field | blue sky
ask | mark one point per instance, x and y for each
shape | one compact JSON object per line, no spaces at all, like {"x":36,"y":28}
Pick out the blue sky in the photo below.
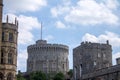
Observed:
{"x":66,"y":22}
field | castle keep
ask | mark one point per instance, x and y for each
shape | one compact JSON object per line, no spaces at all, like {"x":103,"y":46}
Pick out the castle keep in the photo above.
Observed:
{"x":93,"y":61}
{"x":8,"y":48}
{"x":48,"y":58}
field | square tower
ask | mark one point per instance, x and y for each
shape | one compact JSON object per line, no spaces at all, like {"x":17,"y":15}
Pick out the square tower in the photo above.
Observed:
{"x":90,"y":57}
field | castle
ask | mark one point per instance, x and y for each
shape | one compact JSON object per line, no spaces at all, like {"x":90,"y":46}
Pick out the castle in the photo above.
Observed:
{"x":48,"y":58}
{"x":93,"y":61}
{"x":8,"y":48}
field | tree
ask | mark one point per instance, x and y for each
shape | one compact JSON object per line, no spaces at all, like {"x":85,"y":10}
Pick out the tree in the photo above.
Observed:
{"x":70,"y":73}
{"x":37,"y":76}
{"x":20,"y":77}
{"x":59,"y":76}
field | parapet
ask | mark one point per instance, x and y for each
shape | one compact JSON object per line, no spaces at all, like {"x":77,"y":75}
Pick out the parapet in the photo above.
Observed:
{"x":10,"y":26}
{"x":90,"y":44}
{"x":13,"y":26}
{"x":44,"y":44}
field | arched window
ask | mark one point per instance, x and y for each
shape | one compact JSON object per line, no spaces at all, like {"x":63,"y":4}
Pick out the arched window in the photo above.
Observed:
{"x":10,"y":58}
{"x":10,"y":76}
{"x":1,"y":76}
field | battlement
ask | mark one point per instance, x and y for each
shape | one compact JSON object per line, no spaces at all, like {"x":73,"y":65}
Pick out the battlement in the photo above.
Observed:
{"x":47,"y":46}
{"x":87,"y":43}
{"x":95,"y":45}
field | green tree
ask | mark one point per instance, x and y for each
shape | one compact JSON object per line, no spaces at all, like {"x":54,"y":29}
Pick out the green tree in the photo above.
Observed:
{"x":70,"y":73}
{"x":37,"y":76}
{"x":59,"y":76}
{"x":20,"y":77}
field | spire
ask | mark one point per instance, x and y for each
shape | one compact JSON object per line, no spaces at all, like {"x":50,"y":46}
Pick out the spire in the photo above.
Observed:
{"x":15,"y":21}
{"x":7,"y":19}
{"x":41,"y":30}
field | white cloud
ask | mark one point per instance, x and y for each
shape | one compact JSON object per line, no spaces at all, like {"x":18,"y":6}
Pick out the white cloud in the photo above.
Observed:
{"x":60,"y":10}
{"x":88,"y":12}
{"x":112,"y":4}
{"x":24,"y":5}
{"x":26,"y":25}
{"x":113,"y":38}
{"x":60,"y":25}
{"x":89,"y":37}
{"x":22,"y":60}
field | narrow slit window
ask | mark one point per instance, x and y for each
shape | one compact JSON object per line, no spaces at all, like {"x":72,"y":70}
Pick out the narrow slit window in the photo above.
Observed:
{"x":11,"y":37}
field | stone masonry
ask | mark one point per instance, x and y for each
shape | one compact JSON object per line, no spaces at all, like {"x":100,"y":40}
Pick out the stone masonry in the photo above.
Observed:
{"x":8,"y":48}
{"x":89,"y":58}
{"x":48,"y":58}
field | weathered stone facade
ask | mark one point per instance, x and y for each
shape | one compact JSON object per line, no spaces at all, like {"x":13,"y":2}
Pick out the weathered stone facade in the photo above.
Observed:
{"x":108,"y":73}
{"x":48,"y":58}
{"x":93,"y":61}
{"x":8,"y":48}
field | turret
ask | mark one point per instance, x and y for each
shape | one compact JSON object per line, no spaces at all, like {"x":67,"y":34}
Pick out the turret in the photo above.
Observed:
{"x":8,"y":60}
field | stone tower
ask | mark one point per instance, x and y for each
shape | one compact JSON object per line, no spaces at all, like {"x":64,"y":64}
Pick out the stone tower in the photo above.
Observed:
{"x":90,"y":57}
{"x":8,"y":48}
{"x":48,"y":58}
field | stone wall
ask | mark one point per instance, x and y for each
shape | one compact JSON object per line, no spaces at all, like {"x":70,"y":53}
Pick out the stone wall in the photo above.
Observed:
{"x":109,"y":73}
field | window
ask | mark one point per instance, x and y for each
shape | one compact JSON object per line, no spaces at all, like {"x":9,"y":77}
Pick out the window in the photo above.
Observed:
{"x":99,"y":55}
{"x":95,"y":63}
{"x":80,"y":70}
{"x":10,"y":60}
{"x":11,"y":37}
{"x":10,"y":76}
{"x":63,"y":67}
{"x":107,"y":65}
{"x":3,"y":34}
{"x":104,"y":55}
{"x":2,"y":57}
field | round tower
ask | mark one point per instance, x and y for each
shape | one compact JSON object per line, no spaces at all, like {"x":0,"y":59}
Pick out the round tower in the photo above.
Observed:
{"x":48,"y":58}
{"x":8,"y":60}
